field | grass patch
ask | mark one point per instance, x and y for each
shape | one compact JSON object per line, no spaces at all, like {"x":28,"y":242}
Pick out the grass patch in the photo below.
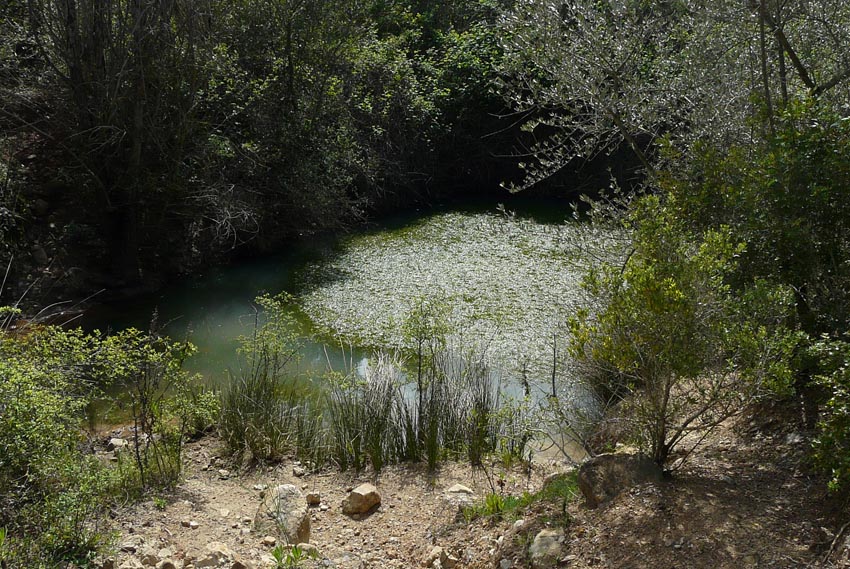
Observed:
{"x":559,"y":491}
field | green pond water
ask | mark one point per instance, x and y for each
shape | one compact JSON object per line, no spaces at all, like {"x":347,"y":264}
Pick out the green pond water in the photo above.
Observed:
{"x":503,"y":284}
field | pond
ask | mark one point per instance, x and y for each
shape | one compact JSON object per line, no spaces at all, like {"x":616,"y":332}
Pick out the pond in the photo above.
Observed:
{"x":502,"y":283}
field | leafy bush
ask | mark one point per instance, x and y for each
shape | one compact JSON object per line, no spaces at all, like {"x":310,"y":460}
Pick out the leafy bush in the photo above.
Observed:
{"x":53,"y":491}
{"x":672,"y":346}
{"x":832,"y":445}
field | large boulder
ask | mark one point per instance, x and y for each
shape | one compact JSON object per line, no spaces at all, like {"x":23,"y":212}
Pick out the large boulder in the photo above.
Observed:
{"x":361,"y":500}
{"x":603,"y":477}
{"x":284,"y":513}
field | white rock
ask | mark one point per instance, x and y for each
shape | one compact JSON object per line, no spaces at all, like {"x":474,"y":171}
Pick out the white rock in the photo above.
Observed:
{"x":435,"y":555}
{"x":547,"y":548}
{"x":284,"y":512}
{"x":216,"y":554}
{"x":131,"y":563}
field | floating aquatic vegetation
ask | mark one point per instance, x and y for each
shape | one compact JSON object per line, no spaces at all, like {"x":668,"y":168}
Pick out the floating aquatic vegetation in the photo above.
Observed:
{"x":508,"y":284}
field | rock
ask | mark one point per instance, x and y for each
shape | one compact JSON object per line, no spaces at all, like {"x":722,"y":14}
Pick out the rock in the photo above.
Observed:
{"x":794,"y":439}
{"x":165,"y":553}
{"x":298,"y":471}
{"x":505,"y":564}
{"x":194,"y":525}
{"x":216,"y":554}
{"x":547,"y":548}
{"x":361,"y":500}
{"x":149,"y":556}
{"x":166,"y":564}
{"x":459,"y":489}
{"x":242,"y":564}
{"x":116,"y":444}
{"x":108,"y":563}
{"x":284,"y":513}
{"x":308,"y":549}
{"x":132,"y":544}
{"x":435,"y":554}
{"x":314,"y":499}
{"x":605,"y":476}
{"x":131,"y":563}
{"x":269,"y":541}
{"x":224,"y":474}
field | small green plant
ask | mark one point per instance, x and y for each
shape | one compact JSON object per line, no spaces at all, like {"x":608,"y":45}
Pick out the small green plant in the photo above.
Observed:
{"x":159,"y":503}
{"x":494,"y":505}
{"x":290,"y":557}
{"x":560,"y":490}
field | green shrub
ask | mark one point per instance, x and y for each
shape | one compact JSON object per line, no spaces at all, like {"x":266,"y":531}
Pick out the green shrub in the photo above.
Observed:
{"x":832,"y":444}
{"x":670,"y":343}
{"x":53,"y":491}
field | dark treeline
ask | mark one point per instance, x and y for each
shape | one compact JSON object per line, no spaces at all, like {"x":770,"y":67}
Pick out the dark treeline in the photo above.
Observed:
{"x":147,"y":137}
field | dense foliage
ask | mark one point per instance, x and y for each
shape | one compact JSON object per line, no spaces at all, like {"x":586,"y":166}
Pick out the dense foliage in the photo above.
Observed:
{"x":737,"y":114}
{"x":54,"y":489}
{"x":151,"y":136}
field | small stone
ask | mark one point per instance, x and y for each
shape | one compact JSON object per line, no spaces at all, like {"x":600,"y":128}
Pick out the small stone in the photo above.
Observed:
{"x":434,"y":555}
{"x":185,"y":523}
{"x":309,"y":549}
{"x":224,"y":474}
{"x":165,"y":553}
{"x":216,"y":554}
{"x":224,"y":512}
{"x":194,"y":525}
{"x":166,"y":564}
{"x":361,"y":500}
{"x":116,"y":444}
{"x":314,"y":499}
{"x":459,"y":489}
{"x":793,"y":439}
{"x":505,"y":564}
{"x":149,"y":557}
{"x":546,"y":548}
{"x":131,"y":563}
{"x":324,"y":507}
{"x":269,"y":541}
{"x":298,"y":471}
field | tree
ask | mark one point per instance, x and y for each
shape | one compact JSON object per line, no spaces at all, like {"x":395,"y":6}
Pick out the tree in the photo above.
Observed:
{"x":589,"y":76}
{"x":669,"y":342}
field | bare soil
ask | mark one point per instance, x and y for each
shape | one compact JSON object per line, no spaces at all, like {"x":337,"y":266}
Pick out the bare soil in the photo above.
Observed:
{"x":744,"y":499}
